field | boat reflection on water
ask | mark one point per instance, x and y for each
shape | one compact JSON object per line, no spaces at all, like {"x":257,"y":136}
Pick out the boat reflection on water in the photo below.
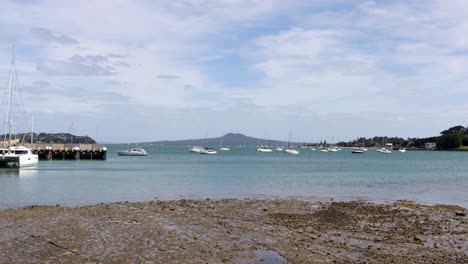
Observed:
{"x":23,"y":172}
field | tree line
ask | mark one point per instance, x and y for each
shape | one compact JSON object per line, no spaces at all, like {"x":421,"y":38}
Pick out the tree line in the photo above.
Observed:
{"x":452,"y":138}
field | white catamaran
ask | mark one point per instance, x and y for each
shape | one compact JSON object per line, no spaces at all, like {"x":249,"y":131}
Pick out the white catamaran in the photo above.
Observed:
{"x":12,"y":155}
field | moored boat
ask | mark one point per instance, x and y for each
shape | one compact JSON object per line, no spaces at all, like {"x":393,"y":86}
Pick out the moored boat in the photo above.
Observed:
{"x":208,"y":151}
{"x":12,"y":155}
{"x":132,"y":152}
{"x":195,"y":149}
{"x":262,"y":149}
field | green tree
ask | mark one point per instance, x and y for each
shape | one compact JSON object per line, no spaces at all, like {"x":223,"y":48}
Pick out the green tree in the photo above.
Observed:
{"x":465,"y":140}
{"x":453,"y":130}
{"x":449,"y":141}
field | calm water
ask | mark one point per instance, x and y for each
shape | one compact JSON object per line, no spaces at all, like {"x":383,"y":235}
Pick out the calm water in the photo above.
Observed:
{"x":174,"y":173}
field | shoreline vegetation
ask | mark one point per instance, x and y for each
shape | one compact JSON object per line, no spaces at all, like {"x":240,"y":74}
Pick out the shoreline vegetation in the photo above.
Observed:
{"x":282,"y":230}
{"x":452,"y":139}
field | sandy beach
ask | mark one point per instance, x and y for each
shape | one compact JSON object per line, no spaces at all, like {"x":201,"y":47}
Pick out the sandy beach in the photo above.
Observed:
{"x":235,"y":231}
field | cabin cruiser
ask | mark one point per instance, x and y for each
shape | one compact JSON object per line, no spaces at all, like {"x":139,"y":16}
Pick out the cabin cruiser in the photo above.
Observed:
{"x":132,"y":152}
{"x":387,"y":149}
{"x":17,"y":156}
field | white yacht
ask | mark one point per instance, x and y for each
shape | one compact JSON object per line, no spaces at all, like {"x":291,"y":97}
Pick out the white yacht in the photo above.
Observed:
{"x":17,"y":156}
{"x":132,"y":152}
{"x":208,"y":151}
{"x":225,"y":149}
{"x":262,"y":149}
{"x":12,"y":155}
{"x":290,"y":150}
{"x":387,"y":149}
{"x":195,"y":149}
{"x":332,"y":149}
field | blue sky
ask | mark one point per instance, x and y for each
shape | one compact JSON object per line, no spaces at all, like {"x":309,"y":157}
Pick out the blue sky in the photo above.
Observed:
{"x":153,"y":70}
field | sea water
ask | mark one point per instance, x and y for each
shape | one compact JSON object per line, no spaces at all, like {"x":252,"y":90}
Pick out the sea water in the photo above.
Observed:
{"x":172,"y":172}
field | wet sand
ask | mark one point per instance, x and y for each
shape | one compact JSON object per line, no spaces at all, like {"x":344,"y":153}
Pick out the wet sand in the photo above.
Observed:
{"x":235,"y":231}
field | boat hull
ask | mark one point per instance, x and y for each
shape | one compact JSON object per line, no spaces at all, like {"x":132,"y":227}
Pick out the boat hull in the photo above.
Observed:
{"x":123,"y":153}
{"x":208,"y":152}
{"x":18,"y":161}
{"x":264,"y":150}
{"x":292,"y":151}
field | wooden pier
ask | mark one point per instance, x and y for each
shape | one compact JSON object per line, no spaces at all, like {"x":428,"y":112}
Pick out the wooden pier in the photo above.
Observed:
{"x":69,"y":151}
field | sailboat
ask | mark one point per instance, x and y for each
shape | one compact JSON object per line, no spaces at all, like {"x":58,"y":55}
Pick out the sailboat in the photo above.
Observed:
{"x":332,"y":148}
{"x":221,"y":146}
{"x":195,"y":149}
{"x":359,"y":150}
{"x":262,"y":148}
{"x":290,"y":150}
{"x":403,"y":150}
{"x":205,"y":149}
{"x":12,"y":155}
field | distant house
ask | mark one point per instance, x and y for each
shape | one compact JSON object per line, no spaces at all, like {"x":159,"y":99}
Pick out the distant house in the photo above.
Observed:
{"x":430,"y":145}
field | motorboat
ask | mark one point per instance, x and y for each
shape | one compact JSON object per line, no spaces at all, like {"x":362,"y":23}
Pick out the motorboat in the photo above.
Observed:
{"x":12,"y":155}
{"x":262,"y":149}
{"x":225,"y":149}
{"x":132,"y":152}
{"x":279,"y":149}
{"x":208,"y":151}
{"x":384,"y":151}
{"x":402,"y":150}
{"x":387,"y":149}
{"x":324,"y":150}
{"x":195,"y":149}
{"x":358,"y":151}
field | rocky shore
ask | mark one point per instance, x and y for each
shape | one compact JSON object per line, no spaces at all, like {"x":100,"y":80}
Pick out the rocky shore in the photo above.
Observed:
{"x":235,"y":231}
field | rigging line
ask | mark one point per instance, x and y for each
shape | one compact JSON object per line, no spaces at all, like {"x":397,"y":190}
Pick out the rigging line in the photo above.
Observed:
{"x":9,"y":82}
{"x":22,"y":106}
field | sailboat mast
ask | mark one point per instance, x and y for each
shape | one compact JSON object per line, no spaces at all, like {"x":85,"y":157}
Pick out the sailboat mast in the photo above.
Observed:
{"x":32,"y":129}
{"x":9,"y":120}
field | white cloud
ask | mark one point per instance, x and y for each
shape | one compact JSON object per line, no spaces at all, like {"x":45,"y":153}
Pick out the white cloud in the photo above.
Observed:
{"x":47,"y":36}
{"x":302,"y":62}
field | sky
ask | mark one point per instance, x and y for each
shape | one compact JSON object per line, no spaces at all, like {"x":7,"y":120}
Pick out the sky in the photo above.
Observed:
{"x":129,"y":71}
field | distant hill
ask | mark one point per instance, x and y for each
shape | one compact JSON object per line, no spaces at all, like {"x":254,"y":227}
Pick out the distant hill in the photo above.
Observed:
{"x":230,"y":139}
{"x":60,"y":138}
